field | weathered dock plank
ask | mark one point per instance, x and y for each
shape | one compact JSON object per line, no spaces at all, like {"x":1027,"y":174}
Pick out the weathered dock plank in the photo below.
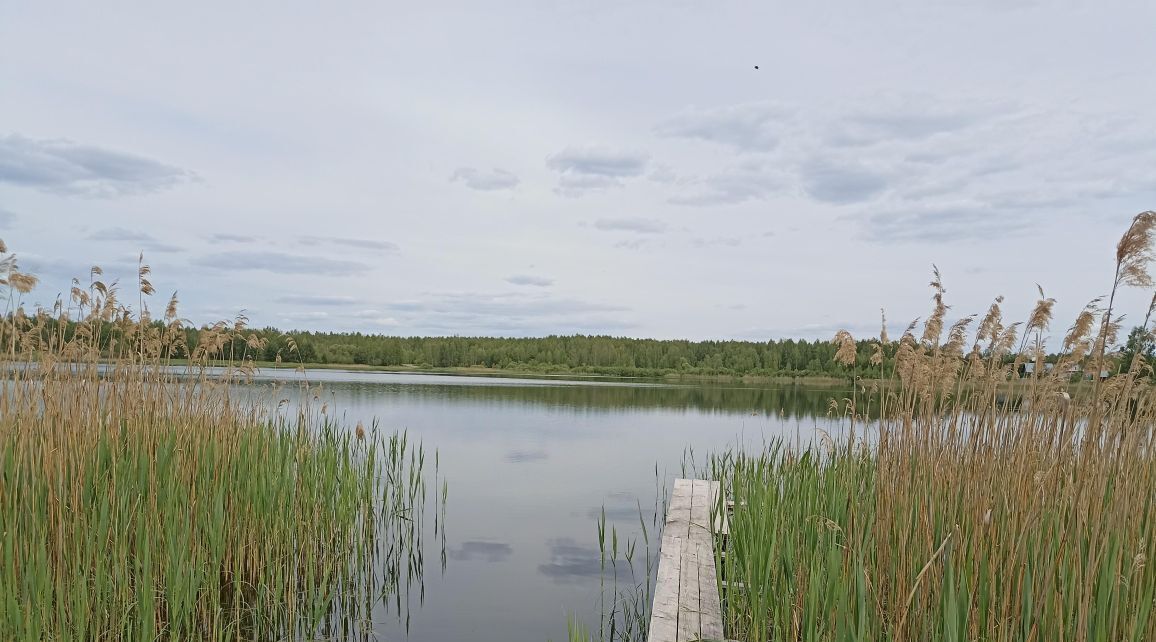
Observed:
{"x":686,"y":599}
{"x":664,"y":611}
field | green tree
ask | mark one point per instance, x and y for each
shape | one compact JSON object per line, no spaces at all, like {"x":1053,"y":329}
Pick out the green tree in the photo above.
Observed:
{"x":1139,"y":342}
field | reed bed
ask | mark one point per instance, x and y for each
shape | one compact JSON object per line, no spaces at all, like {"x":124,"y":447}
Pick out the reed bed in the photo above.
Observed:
{"x":973,"y":505}
{"x":963,"y":501}
{"x":141,"y":501}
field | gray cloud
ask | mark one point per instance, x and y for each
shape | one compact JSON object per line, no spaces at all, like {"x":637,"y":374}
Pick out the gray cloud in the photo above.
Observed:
{"x":575,"y":185}
{"x":488,"y":325}
{"x":529,"y":279}
{"x":636,"y":225}
{"x":7,"y":218}
{"x":1064,"y":140}
{"x":514,"y":313}
{"x":481,"y":551}
{"x":748,"y":181}
{"x":376,"y":318}
{"x":840,"y":183}
{"x":361,"y":244}
{"x":585,"y":169}
{"x":118,"y":234}
{"x":663,"y":174}
{"x":726,"y":241}
{"x":319,"y":299}
{"x":812,"y":331}
{"x":982,"y":182}
{"x":501,"y":305}
{"x":366,"y":244}
{"x":631,"y":244}
{"x":747,"y":127}
{"x":232,"y":238}
{"x":280,"y":263}
{"x":139,"y":240}
{"x":308,"y":315}
{"x":483,"y":181}
{"x":63,"y":167}
{"x":945,"y":223}
{"x":56,"y":272}
{"x":899,"y":119}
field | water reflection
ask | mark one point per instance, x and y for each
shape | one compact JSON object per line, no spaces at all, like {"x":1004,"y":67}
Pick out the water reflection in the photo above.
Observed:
{"x":570,"y":562}
{"x":592,"y":398}
{"x":628,"y":514}
{"x":482,"y":551}
{"x":531,"y":464}
{"x":522,"y":456}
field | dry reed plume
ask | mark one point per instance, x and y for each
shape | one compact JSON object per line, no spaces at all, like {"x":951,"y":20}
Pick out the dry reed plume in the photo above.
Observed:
{"x":979,"y":505}
{"x":142,"y":500}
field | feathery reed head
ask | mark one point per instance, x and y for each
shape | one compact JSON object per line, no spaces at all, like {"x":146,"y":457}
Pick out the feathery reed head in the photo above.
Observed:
{"x":1134,"y":252}
{"x":1041,"y":315}
{"x":846,"y":352}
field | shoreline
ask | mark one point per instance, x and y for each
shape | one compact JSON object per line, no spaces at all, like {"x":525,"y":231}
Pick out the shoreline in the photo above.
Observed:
{"x":511,"y":373}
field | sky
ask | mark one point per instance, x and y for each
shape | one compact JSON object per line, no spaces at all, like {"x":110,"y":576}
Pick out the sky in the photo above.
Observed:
{"x":556,"y":167}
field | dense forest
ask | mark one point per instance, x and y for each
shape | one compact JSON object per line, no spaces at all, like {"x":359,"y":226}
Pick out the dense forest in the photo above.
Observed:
{"x":562,"y":354}
{"x":575,"y":354}
{"x":594,"y":355}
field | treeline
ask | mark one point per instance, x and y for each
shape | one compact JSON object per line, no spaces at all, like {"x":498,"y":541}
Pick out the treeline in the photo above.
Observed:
{"x":576,"y":354}
{"x":572,"y":354}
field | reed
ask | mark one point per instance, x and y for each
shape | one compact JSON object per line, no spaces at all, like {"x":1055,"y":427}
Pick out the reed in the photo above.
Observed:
{"x":143,"y":501}
{"x":965,"y":503}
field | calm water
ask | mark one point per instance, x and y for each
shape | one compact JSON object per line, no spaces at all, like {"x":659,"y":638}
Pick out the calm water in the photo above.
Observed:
{"x":531,"y":463}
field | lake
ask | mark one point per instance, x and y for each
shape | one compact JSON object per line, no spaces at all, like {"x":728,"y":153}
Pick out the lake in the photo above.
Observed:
{"x":531,"y":463}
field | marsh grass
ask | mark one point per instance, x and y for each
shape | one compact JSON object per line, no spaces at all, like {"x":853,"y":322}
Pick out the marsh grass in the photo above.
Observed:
{"x":139,"y":501}
{"x":964,"y":502}
{"x":955,"y":515}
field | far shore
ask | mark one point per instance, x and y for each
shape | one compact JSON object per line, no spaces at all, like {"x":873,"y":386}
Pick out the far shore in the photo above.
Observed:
{"x":513,"y":373}
{"x":802,"y":381}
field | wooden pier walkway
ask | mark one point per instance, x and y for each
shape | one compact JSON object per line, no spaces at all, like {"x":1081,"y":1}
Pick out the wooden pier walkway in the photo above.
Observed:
{"x":686,"y":595}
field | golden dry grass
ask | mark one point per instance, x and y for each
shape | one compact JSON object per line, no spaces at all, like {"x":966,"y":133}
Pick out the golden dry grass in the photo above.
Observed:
{"x":139,"y":501}
{"x":979,"y":506}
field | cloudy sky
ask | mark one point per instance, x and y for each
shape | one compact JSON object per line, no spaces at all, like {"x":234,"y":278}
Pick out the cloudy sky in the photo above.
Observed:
{"x":549,"y":166}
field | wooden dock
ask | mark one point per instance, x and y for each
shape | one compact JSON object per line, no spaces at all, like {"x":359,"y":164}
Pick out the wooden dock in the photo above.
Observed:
{"x":686,"y":595}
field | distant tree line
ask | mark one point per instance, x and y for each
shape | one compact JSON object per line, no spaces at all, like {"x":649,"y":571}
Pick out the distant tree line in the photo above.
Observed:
{"x":606,"y":355}
{"x":575,"y":354}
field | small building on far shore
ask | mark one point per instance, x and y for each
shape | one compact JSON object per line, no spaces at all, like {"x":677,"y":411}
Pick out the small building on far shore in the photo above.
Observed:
{"x":1029,"y":368}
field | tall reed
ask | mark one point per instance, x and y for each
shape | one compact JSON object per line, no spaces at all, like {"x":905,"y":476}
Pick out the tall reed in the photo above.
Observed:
{"x":141,"y":501}
{"x":978,"y":505}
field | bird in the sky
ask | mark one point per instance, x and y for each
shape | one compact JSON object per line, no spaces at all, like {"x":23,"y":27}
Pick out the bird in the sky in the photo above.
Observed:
{"x":756,"y":66}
